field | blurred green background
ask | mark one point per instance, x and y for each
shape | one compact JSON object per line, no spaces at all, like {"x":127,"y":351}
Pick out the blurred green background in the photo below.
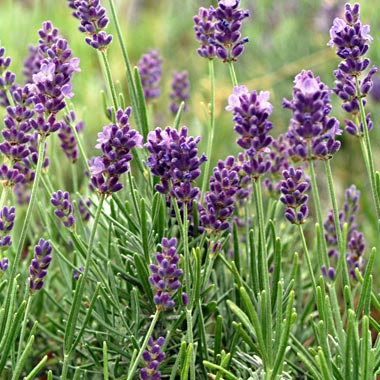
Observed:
{"x":285,"y":37}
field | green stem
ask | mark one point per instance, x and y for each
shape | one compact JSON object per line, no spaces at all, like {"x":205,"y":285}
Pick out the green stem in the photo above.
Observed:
{"x":23,"y":328}
{"x":371,"y":167}
{"x":4,"y":196}
{"x":109,"y":80}
{"x":341,"y":242}
{"x":308,"y":260}
{"x":321,"y":256}
{"x":232,"y":74}
{"x":262,"y":258}
{"x":74,"y":312}
{"x":29,"y":211}
{"x":133,"y":367}
{"x":211,"y":128}
{"x":130,"y":77}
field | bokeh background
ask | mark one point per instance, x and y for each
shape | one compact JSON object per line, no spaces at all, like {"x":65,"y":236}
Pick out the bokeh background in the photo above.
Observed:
{"x":285,"y":37}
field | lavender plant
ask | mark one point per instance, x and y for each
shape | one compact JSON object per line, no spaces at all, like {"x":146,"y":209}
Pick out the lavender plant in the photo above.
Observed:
{"x":153,"y":260}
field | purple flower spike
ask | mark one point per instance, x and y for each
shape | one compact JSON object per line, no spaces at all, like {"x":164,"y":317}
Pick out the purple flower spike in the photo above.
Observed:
{"x":250,"y":114}
{"x":312,"y":133}
{"x":218,"y":31}
{"x":66,"y":135}
{"x":93,"y":21}
{"x":228,"y":21}
{"x":220,"y":200}
{"x":116,"y":142}
{"x":204,"y":27}
{"x":39,"y":265}
{"x":293,"y":189}
{"x":351,"y":39}
{"x":7,"y":78}
{"x":51,"y":77}
{"x":4,"y":263}
{"x":180,"y":91}
{"x":153,"y":357}
{"x":356,"y":248}
{"x":165,"y":274}
{"x":7,"y":218}
{"x":174,"y":158}
{"x":63,"y":208}
{"x":76,"y":273}
{"x":150,"y":69}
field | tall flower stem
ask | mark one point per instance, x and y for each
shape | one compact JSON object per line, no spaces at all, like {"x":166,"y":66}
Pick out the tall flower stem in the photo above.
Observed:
{"x":232,"y":73}
{"x":308,"y":260}
{"x":75,"y":307}
{"x":211,"y":128}
{"x":262,"y":263}
{"x":369,"y":155}
{"x":338,"y":228}
{"x":24,"y":325}
{"x":322,"y":256}
{"x":109,"y":79}
{"x":4,"y":196}
{"x":28,"y":216}
{"x":132,"y":368}
{"x":130,"y":77}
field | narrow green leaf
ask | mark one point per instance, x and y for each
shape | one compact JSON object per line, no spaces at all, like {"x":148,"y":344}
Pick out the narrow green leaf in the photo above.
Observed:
{"x":284,"y":340}
{"x":178,"y":361}
{"x":33,"y":373}
{"x":228,"y":374}
{"x":105,"y":361}
{"x":365,"y":294}
{"x":20,"y":364}
{"x":141,"y":104}
{"x":178,"y":116}
{"x":143,"y":275}
{"x":276,"y":271}
{"x":11,"y":334}
{"x":86,"y":319}
{"x":144,"y":230}
{"x":218,"y":335}
{"x":247,"y":339}
{"x":187,"y":362}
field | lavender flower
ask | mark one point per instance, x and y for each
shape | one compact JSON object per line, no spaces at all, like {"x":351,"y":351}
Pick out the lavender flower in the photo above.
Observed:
{"x":356,"y":248}
{"x":351,"y":39}
{"x":279,"y":158}
{"x":76,"y":273}
{"x":180,"y":91}
{"x":355,"y":239}
{"x":7,"y":217}
{"x":205,"y":32}
{"x":66,"y":135}
{"x":39,"y":265}
{"x":52,"y":83}
{"x":63,"y":207}
{"x":250,"y":114}
{"x":150,"y":69}
{"x":293,"y":188}
{"x":173,"y":157}
{"x":228,"y":41}
{"x":220,"y":200}
{"x":7,"y":78}
{"x":165,"y":274}
{"x":218,"y":31}
{"x":312,"y":132}
{"x":153,"y":357}
{"x":4,"y":263}
{"x":83,"y":204}
{"x":116,"y":142}
{"x":93,"y":21}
